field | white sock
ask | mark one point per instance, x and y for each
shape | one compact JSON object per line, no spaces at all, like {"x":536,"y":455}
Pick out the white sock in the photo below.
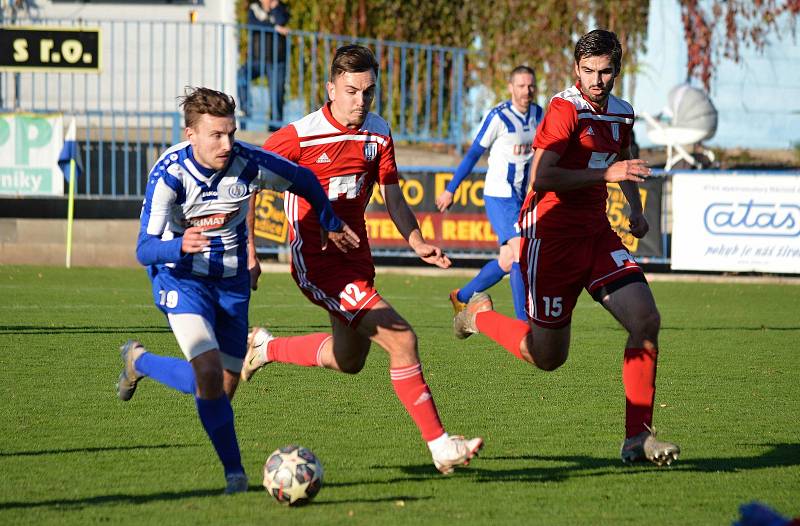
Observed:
{"x":438,"y":443}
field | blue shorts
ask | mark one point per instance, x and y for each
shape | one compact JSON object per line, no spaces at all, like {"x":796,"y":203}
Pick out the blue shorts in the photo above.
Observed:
{"x":223,"y":303}
{"x":503,"y":214}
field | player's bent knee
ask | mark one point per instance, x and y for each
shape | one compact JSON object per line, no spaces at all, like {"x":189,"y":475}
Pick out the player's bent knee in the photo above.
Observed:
{"x":208,"y":374}
{"x":408,"y":342}
{"x":549,"y":363}
{"x":506,"y":258}
{"x":351,"y":366}
{"x":549,"y":359}
{"x":505,"y":264}
{"x":648,"y":325}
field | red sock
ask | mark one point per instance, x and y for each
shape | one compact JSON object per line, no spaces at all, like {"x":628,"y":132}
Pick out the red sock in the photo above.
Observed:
{"x":300,"y":350}
{"x":639,"y":378}
{"x":508,"y":332}
{"x":413,"y":392}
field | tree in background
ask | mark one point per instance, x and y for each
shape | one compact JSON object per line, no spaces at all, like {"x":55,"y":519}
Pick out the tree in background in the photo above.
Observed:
{"x":504,"y":33}
{"x":728,"y":25}
{"x":543,"y":34}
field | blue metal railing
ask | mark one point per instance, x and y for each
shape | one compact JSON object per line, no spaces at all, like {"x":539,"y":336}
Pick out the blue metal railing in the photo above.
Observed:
{"x":126,"y":111}
{"x":420,"y":88}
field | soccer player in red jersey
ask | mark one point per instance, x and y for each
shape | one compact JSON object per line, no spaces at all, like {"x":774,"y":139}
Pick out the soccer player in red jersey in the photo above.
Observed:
{"x":350,"y":149}
{"x":568,"y":245}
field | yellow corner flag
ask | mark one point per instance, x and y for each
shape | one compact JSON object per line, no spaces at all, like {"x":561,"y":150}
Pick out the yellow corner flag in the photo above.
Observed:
{"x":70,"y":163}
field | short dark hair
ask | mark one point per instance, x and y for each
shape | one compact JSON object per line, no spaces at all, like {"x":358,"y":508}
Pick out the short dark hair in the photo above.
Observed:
{"x":198,"y":101}
{"x":353,"y":59}
{"x":598,"y":43}
{"x":520,"y":70}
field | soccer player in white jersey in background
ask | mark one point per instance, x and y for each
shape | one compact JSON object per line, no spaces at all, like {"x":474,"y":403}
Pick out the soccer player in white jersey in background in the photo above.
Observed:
{"x":193,"y":239}
{"x":350,"y":149}
{"x":507,"y":132}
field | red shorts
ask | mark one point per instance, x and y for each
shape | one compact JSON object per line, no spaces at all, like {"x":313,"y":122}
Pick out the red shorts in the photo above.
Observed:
{"x":342,"y":285}
{"x":555,"y":269}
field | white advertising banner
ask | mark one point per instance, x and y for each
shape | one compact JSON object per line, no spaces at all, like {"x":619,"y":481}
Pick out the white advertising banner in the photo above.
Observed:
{"x":29,"y":148}
{"x":734,"y":222}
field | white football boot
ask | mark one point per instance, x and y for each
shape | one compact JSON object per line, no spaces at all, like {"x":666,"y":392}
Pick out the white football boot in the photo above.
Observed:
{"x":464,"y":322}
{"x":645,"y":446}
{"x":455,"y":451}
{"x":130,"y":351}
{"x":256,"y":356}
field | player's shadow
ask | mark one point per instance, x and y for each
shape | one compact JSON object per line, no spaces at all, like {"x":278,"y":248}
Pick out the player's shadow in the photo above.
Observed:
{"x":81,"y":329}
{"x":556,"y":468}
{"x":729,"y":328}
{"x":118,"y":499}
{"x":779,"y":455}
{"x":82,"y":450}
{"x":396,"y":499}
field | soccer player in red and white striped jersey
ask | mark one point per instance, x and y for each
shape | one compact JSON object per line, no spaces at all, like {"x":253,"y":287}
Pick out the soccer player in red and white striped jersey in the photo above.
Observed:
{"x":350,"y":149}
{"x":568,"y":245}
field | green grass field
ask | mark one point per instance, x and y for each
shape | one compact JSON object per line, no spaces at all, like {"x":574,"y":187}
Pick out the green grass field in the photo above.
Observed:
{"x":71,"y":453}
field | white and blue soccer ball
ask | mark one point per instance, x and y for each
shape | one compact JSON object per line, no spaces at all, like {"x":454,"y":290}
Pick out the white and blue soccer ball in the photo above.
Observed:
{"x":293,"y":475}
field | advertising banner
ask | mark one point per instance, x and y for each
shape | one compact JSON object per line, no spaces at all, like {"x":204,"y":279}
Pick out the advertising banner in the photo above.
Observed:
{"x":49,"y":49}
{"x":618,"y":211}
{"x":29,"y":148}
{"x":736,"y":222}
{"x":463,"y":228}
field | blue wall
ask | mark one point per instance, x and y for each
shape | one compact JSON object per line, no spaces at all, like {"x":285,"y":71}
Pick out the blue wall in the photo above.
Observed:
{"x":758,"y":99}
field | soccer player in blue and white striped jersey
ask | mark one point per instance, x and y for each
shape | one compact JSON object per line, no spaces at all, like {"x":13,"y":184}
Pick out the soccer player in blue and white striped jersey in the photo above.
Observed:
{"x":194,"y":241}
{"x":507,"y":132}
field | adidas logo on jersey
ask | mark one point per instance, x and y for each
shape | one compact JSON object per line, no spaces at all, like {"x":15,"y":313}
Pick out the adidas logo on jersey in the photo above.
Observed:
{"x":589,"y":131}
{"x":322,"y":159}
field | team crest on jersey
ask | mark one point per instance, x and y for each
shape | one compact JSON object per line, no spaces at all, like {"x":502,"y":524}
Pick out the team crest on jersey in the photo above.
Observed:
{"x":370,"y":150}
{"x":615,"y":131}
{"x":237,"y":190}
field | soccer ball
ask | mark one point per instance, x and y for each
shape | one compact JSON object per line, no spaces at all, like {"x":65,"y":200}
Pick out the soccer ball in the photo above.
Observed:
{"x":293,"y":475}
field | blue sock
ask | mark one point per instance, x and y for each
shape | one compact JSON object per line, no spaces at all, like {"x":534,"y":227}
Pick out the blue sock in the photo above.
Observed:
{"x":518,"y":292}
{"x":490,"y":274}
{"x":172,"y":372}
{"x":217,"y":418}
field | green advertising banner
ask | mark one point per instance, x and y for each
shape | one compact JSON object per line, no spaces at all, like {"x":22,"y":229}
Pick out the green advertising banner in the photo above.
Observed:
{"x":29,"y":148}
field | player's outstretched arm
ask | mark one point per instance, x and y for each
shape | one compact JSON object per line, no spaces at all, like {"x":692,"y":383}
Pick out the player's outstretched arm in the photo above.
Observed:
{"x":407,"y":225}
{"x":303,"y":182}
{"x":345,"y":239}
{"x":445,"y":199}
{"x":306,"y":185}
{"x":548,"y":177}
